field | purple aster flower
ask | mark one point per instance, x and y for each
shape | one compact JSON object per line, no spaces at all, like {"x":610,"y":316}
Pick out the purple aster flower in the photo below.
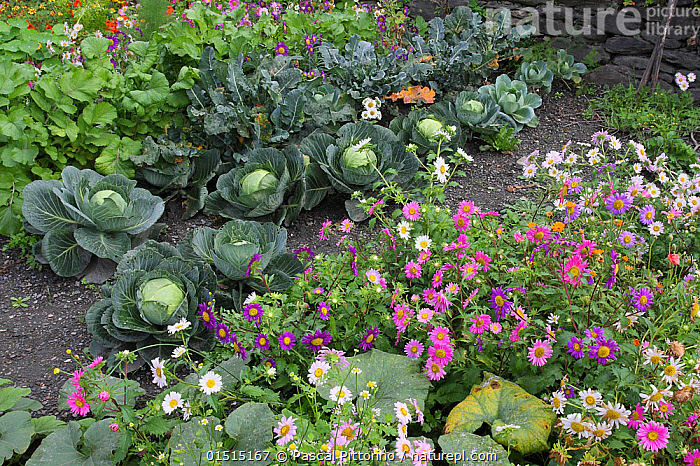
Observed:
{"x":224,"y":334}
{"x":317,"y":340}
{"x":576,"y":347}
{"x":256,"y":258}
{"x":569,"y":392}
{"x":626,"y":238}
{"x":499,"y":302}
{"x":367,"y":340}
{"x":323,"y":311}
{"x":353,"y":264}
{"x":647,"y":214}
{"x":333,"y":357}
{"x":317,"y":290}
{"x":594,"y":333}
{"x":618,"y":203}
{"x":269,"y":362}
{"x":642,"y":299}
{"x":205,"y":313}
{"x":282,"y":49}
{"x":239,"y":350}
{"x":262,"y":342}
{"x":603,"y":350}
{"x":381,"y":25}
{"x":287,"y":340}
{"x":253,"y":312}
{"x":600,"y":137}
{"x":305,"y":253}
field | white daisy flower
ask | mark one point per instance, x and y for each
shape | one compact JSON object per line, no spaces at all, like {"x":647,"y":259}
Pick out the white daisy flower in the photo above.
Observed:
{"x":158,"y":374}
{"x":340,"y":394}
{"x":616,"y":414}
{"x":441,"y":169}
{"x":378,"y":116}
{"x":404,"y":230}
{"x":186,"y":411}
{"x":656,"y":228}
{"x":653,"y":190}
{"x":364,"y":394}
{"x":172,"y":401}
{"x":318,"y":372}
{"x":654,"y":398}
{"x":601,"y":431}
{"x":372,"y":113}
{"x":672,"y":371}
{"x":691,"y":77}
{"x":423,"y":243}
{"x":210,"y":382}
{"x":529,"y":171}
{"x":553,"y":172}
{"x":183,"y":324}
{"x":590,"y":398}
{"x":574,"y":426}
{"x":558,"y":402}
{"x":663,"y":177}
{"x":362,"y":144}
{"x":251,"y":298}
{"x":615,"y":143}
{"x":464,"y":155}
{"x":179,"y":351}
{"x":365,"y":115}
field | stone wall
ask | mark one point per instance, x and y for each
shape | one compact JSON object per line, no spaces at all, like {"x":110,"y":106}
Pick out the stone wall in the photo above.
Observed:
{"x":619,"y":39}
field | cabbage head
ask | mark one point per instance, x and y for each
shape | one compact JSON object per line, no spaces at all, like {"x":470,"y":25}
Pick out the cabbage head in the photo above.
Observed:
{"x":270,"y":186}
{"x":515,"y":101}
{"x":230,"y":249}
{"x":480,"y":113}
{"x":428,"y":126}
{"x":154,"y":287}
{"x":357,"y":158}
{"x":419,"y":127}
{"x":88,"y":217}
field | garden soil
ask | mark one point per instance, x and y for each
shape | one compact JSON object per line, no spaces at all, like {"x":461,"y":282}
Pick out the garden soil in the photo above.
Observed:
{"x":34,"y":339}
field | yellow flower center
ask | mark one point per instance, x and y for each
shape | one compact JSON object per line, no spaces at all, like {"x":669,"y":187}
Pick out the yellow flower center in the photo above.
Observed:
{"x":341,"y":394}
{"x":222,"y":333}
{"x":173,"y":403}
{"x":399,"y":314}
{"x":642,"y":299}
{"x":652,"y":435}
{"x":424,"y":244}
{"x":262,"y":342}
{"x":159,"y":372}
{"x":539,"y":352}
{"x":79,"y":403}
{"x":405,"y":448}
{"x":663,"y":408}
{"x":318,"y":372}
{"x":612,"y":415}
{"x":539,"y":235}
{"x":440,"y":353}
{"x":317,"y":341}
{"x":205,"y":316}
{"x":435,"y":368}
{"x":656,"y":397}
{"x":575,"y":271}
{"x":577,"y":427}
{"x":253,"y":311}
{"x":670,"y":370}
{"x":211,"y":383}
{"x":284,"y":430}
{"x":556,"y":402}
{"x":603,"y":352}
{"x":412,"y":211}
{"x":590,"y":400}
{"x":369,"y":338}
{"x":403,"y":411}
{"x":655,"y":359}
{"x":442,"y":169}
{"x":577,"y":347}
{"x":599,"y":432}
{"x":499,"y":301}
{"x":413,"y":269}
{"x":348,"y":433}
{"x":414,"y":349}
{"x":287,"y":340}
{"x":440,"y":336}
{"x":618,"y":204}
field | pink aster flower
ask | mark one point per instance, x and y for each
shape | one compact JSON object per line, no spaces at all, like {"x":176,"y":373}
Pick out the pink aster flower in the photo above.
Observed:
{"x":636,"y":418}
{"x":285,"y":430}
{"x":480,"y":324}
{"x":434,"y":370}
{"x":665,"y":409}
{"x":400,"y":318}
{"x":692,"y":458}
{"x":424,"y":315}
{"x":518,"y":237}
{"x":114,"y":427}
{"x":440,"y":335}
{"x":77,"y":403}
{"x":653,"y":436}
{"x":411,"y":211}
{"x":414,"y":349}
{"x":75,"y":380}
{"x":495,"y":328}
{"x":412,"y":270}
{"x":96,"y":362}
{"x":461,"y":222}
{"x":346,"y":225}
{"x":437,"y":280}
{"x":387,"y":232}
{"x":423,"y":257}
{"x":467,"y":208}
{"x":573,"y":270}
{"x":539,"y":353}
{"x":483,"y":260}
{"x":442,"y":354}
{"x":515,"y":333}
{"x":375,"y":205}
{"x":538,"y":235}
{"x":103,"y":396}
{"x":322,"y":234}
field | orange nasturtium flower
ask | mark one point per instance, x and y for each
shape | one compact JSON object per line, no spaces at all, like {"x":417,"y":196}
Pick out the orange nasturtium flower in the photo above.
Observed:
{"x":558,"y":227}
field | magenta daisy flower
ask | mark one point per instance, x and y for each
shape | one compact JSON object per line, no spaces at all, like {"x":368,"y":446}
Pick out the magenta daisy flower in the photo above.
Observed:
{"x":653,"y":436}
{"x":238,"y":349}
{"x":315,"y":341}
{"x":423,"y":257}
{"x":262,"y":342}
{"x":223,"y":333}
{"x":594,"y":333}
{"x":424,"y":315}
{"x":205,"y":313}
{"x":539,"y":353}
{"x":346,"y":225}
{"x":603,"y":350}
{"x":467,"y":208}
{"x":75,"y":380}
{"x":573,"y":270}
{"x":442,"y":354}
{"x":576,"y":347}
{"x":253,"y":312}
{"x":434,"y":370}
{"x":322,"y":233}
{"x":285,"y":430}
{"x":287,"y":340}
{"x":642,"y":299}
{"x":480,"y":324}
{"x":437,"y":279}
{"x":411,"y":211}
{"x":413,"y":349}
{"x":317,"y":291}
{"x":692,"y":458}
{"x":367,"y":340}
{"x":636,"y":417}
{"x":430,"y":296}
{"x":538,"y":235}
{"x":461,"y":222}
{"x":483,"y":260}
{"x":647,"y":214}
{"x":412,"y":270}
{"x":618,"y":204}
{"x":440,"y":335}
{"x":323,"y":311}
{"x":254,"y":260}
{"x":77,"y":403}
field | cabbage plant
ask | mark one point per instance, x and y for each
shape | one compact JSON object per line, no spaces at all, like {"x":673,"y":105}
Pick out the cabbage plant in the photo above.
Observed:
{"x":420,"y":125}
{"x":361,"y":156}
{"x":231,"y":249}
{"x":564,"y":67}
{"x":480,"y":113}
{"x":514,"y":100}
{"x":268,"y":187}
{"x":154,"y":287}
{"x":86,"y":215}
{"x":536,"y":74}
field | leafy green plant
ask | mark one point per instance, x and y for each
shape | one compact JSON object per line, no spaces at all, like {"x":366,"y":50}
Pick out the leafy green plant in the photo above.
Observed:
{"x":154,"y":288}
{"x":680,"y":154}
{"x":270,"y":186}
{"x":154,"y":16}
{"x":24,"y":242}
{"x":536,"y":75}
{"x":18,"y":429}
{"x":169,"y":164}
{"x":328,"y":107}
{"x":515,"y":101}
{"x":563,"y":67}
{"x":88,"y":214}
{"x":19,"y":302}
{"x":241,"y":250}
{"x":360,"y":71}
{"x":503,"y":140}
{"x":362,"y":156}
{"x":480,"y":113}
{"x":420,"y":125}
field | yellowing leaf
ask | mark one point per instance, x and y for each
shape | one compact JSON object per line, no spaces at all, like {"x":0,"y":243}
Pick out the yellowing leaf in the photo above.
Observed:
{"x":518,"y":420}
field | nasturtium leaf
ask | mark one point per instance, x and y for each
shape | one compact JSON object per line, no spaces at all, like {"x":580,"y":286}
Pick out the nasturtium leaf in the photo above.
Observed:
{"x":45,"y":425}
{"x":16,"y":433}
{"x":518,"y":420}
{"x":192,"y":441}
{"x":397,"y":377}
{"x":11,"y":395}
{"x":62,"y":448}
{"x":463,"y":448}
{"x":251,"y":426}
